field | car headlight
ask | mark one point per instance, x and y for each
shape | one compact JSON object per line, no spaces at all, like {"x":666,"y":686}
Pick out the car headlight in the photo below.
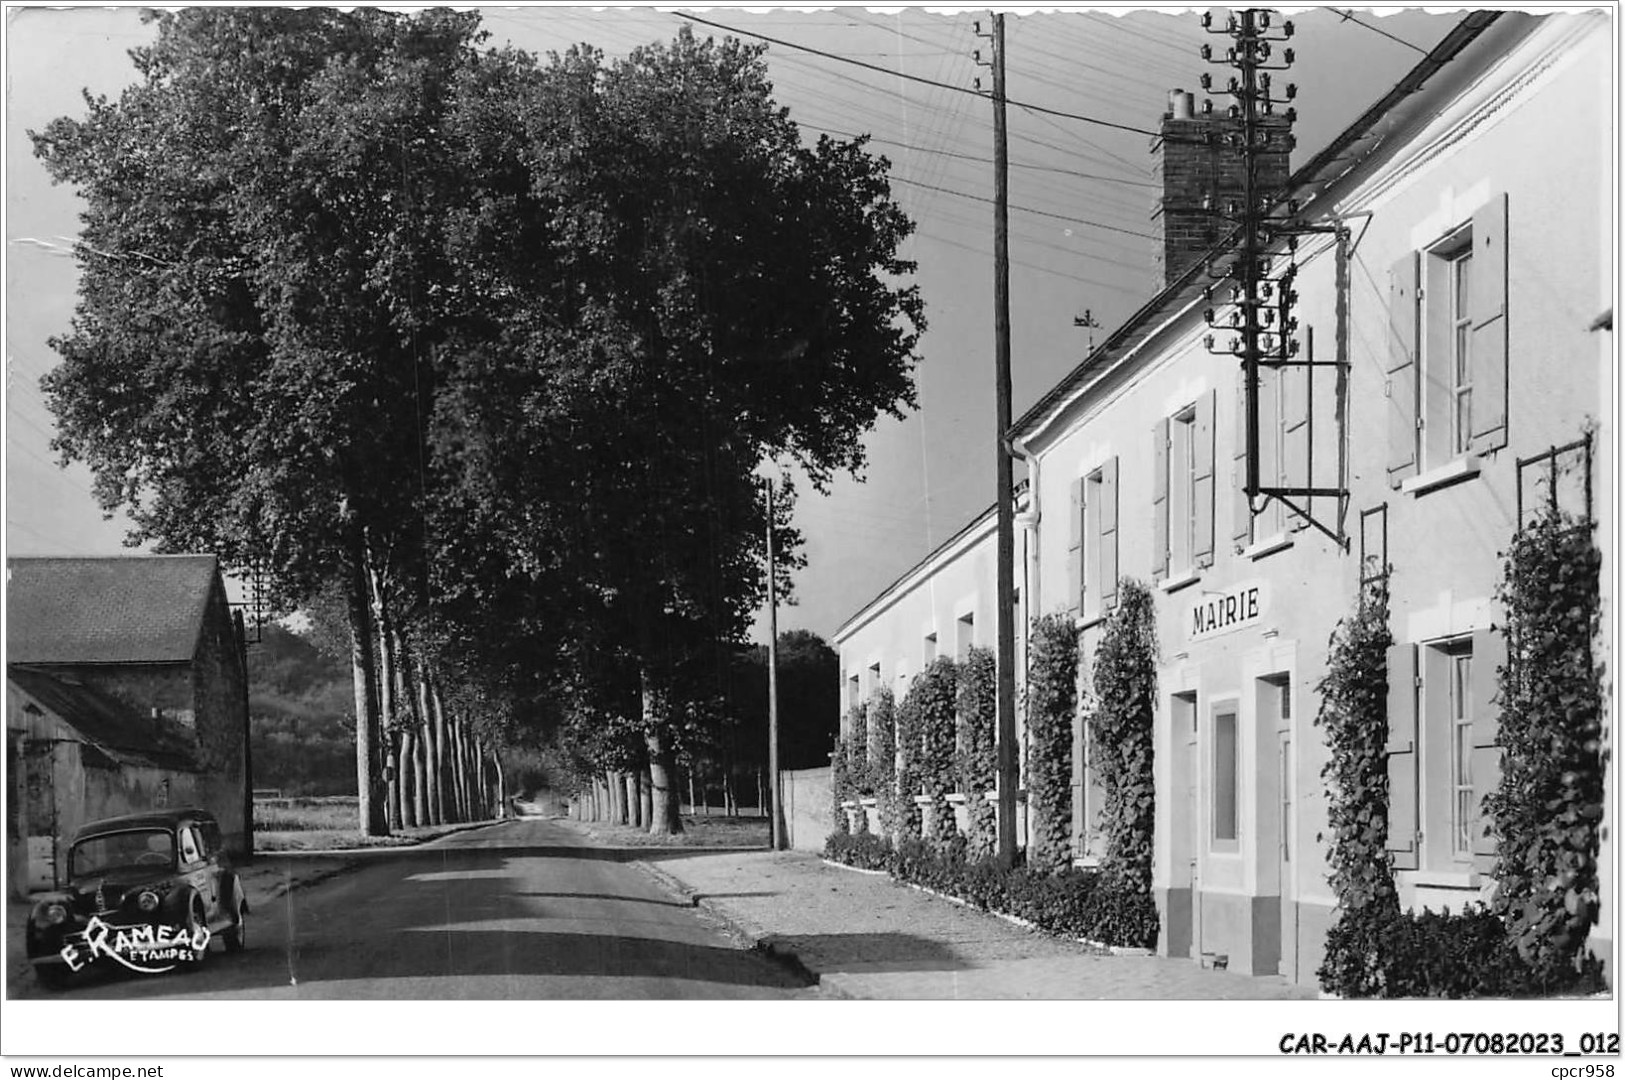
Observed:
{"x":147,"y":901}
{"x":55,"y":914}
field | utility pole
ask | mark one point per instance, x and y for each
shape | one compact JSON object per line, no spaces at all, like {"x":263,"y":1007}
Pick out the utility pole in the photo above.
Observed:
{"x":1009,"y":766}
{"x":1263,"y":322}
{"x":775,"y":788}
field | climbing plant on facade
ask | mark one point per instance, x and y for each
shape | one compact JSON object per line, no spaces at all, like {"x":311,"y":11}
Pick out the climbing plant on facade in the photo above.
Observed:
{"x":1052,"y":701}
{"x":1548,"y":808}
{"x":840,"y":788}
{"x":938,"y":691}
{"x":857,"y":749}
{"x":883,"y":756}
{"x":1354,"y":715}
{"x":907,"y":726}
{"x":978,"y":758}
{"x":1120,"y":727}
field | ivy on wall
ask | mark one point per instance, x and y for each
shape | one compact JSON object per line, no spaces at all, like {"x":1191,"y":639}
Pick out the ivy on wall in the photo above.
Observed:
{"x":1120,"y":730}
{"x":840,"y":788}
{"x":1354,"y":715}
{"x":1052,"y":701}
{"x":937,"y":689}
{"x":907,"y":725}
{"x":977,"y":762}
{"x":883,"y":756}
{"x":1548,"y":808}
{"x":857,"y":749}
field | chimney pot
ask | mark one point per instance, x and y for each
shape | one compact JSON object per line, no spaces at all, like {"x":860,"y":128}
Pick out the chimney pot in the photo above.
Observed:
{"x":1181,"y":104}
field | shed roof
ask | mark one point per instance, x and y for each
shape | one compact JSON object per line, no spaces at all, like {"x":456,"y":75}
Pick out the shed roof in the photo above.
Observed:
{"x":120,"y":732}
{"x":128,"y":609}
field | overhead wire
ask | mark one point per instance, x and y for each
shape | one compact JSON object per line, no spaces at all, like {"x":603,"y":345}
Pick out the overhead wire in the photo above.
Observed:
{"x":913,"y":78}
{"x":1348,"y":16}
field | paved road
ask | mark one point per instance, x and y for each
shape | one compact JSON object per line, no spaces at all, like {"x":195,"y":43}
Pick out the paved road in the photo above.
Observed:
{"x":518,"y":910}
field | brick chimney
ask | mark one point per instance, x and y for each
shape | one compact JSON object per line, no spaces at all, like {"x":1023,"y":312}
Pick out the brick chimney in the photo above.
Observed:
{"x":1200,"y":173}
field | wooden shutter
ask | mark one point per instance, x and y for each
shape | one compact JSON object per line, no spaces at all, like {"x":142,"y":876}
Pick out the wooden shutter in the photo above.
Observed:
{"x":1242,"y":526}
{"x":1107,"y":516}
{"x":1295,"y":390}
{"x":1074,"y":550}
{"x":1159,"y":499}
{"x":1404,"y":283}
{"x":1489,"y":656}
{"x":1403,"y":790}
{"x":1489,"y":310}
{"x":1202,"y":489}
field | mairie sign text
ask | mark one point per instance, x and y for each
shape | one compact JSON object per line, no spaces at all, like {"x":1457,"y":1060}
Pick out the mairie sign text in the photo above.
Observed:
{"x":1214,"y":613}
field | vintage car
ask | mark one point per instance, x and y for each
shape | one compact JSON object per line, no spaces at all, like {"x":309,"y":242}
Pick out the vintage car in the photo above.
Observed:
{"x":148,"y":892}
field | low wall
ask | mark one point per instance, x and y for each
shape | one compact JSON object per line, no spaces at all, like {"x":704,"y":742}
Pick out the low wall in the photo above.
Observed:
{"x":807,"y":808}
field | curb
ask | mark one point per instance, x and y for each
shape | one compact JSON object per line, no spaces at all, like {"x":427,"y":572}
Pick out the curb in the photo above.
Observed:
{"x":775,"y":949}
{"x":283,"y":888}
{"x":855,"y":869}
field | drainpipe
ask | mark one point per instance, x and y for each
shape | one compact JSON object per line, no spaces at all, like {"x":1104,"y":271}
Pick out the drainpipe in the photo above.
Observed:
{"x":1028,"y":521}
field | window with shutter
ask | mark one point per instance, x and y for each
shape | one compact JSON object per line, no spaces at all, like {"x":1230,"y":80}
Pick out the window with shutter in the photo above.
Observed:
{"x":1099,"y":554}
{"x":1403,"y":285}
{"x":1074,"y":551}
{"x":1489,"y":326}
{"x":1295,"y":397}
{"x":1241,"y":514}
{"x":1202,"y":486}
{"x":1403,"y":788}
{"x":1107,"y":545}
{"x":1489,"y":656}
{"x":1458,"y":312}
{"x":1159,"y":499}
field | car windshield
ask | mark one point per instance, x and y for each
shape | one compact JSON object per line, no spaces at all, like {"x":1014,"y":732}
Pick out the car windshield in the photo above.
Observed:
{"x":116,"y":851}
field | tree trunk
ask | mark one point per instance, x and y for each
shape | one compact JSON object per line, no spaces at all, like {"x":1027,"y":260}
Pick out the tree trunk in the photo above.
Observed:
{"x":761,"y":801}
{"x":693,"y":806}
{"x":617,"y":794}
{"x":629,"y":790}
{"x":664,"y":817}
{"x":502,"y":785}
{"x":386,"y":704}
{"x":488,"y":781}
{"x":409,"y":777}
{"x":444,"y":810}
{"x":646,"y":797}
{"x":425,"y":770}
{"x":482,"y":778}
{"x":369,"y":787}
{"x":454,"y":740}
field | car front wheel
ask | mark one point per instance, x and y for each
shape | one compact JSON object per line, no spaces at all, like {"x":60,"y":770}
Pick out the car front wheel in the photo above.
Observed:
{"x":194,"y":923}
{"x":237,"y":933}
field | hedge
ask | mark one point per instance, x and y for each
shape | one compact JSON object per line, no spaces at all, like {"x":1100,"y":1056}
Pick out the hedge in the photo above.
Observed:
{"x":1076,"y":903}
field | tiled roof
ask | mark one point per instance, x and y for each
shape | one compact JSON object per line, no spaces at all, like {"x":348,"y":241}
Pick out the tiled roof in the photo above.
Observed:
{"x":119,"y":732}
{"x":122,"y":609}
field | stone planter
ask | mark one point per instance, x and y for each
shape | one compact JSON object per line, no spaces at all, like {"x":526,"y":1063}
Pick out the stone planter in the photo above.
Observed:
{"x":961,"y":805}
{"x":852,"y":810}
{"x":927,"y":809}
{"x":871,"y":813}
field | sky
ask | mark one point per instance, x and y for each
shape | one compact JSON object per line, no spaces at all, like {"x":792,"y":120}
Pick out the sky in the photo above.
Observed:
{"x":1083,"y":235}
